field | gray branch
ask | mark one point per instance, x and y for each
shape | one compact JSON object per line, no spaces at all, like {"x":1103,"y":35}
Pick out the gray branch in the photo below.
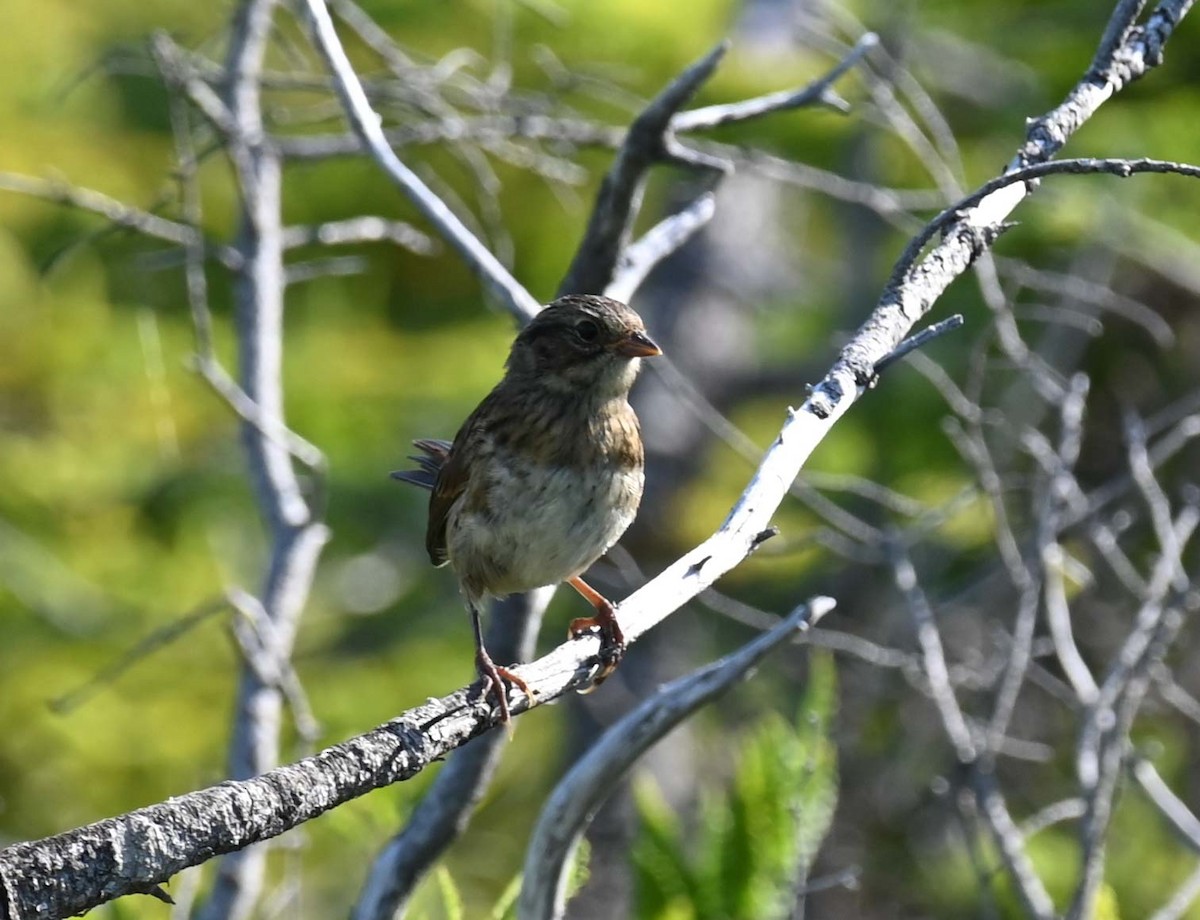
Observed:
{"x":617,"y":202}
{"x":652,"y":139}
{"x":482,"y":129}
{"x":296,"y":537}
{"x":1181,"y":900}
{"x":639,"y":258}
{"x":1181,"y":818}
{"x":119,"y":214}
{"x":365,"y":228}
{"x":971,"y":229}
{"x":366,"y":124}
{"x":443,"y":812}
{"x":933,"y":654}
{"x":1104,"y":738}
{"x":993,"y":809}
{"x":819,"y":91}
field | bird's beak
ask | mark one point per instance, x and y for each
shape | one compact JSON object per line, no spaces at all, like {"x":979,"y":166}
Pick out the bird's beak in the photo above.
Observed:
{"x":637,"y":345}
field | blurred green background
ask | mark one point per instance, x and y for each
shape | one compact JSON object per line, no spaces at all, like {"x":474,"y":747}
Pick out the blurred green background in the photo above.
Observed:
{"x":125,"y":504}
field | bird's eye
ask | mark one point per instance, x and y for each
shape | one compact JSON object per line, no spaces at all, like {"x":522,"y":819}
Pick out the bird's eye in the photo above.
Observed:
{"x":587,"y":330}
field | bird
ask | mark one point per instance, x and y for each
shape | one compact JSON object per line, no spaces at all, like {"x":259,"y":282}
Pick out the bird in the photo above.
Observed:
{"x":545,"y":475}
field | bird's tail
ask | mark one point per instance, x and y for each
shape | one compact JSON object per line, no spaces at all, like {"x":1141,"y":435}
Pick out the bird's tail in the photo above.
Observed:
{"x":434,"y":452}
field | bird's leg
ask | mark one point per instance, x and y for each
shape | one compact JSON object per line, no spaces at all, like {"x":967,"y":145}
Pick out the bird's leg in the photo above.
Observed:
{"x":612,"y":640}
{"x":494,"y":676}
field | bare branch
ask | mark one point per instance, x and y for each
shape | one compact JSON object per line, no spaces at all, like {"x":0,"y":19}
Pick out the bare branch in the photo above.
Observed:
{"x":1179,"y":903}
{"x":1061,"y":489}
{"x":120,"y":214}
{"x":363,"y":229}
{"x":482,"y":129}
{"x":646,"y":143}
{"x":893,"y":204}
{"x":918,"y":340}
{"x":1105,"y":735}
{"x":1055,"y":813}
{"x":366,"y":124}
{"x":974,"y":224}
{"x":43,"y":876}
{"x":1058,"y":617}
{"x":1182,"y":819}
{"x":331,"y":267}
{"x":123,"y":854}
{"x":173,"y":63}
{"x":268,"y":659}
{"x":589,"y":782}
{"x":250,"y":412}
{"x":819,"y":91}
{"x":443,"y":812}
{"x":933,"y":654}
{"x":296,"y":536}
{"x":1116,"y":34}
{"x":651,"y":139}
{"x":162,"y":636}
{"x":954,"y":216}
{"x":1011,"y":844}
{"x":640,"y":258}
{"x":1101,"y":296}
{"x":992,"y":807}
{"x":1124,"y":55}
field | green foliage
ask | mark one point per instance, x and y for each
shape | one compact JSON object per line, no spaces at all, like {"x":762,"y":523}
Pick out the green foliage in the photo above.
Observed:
{"x":452,"y":904}
{"x":1107,"y":907}
{"x":755,"y":841}
{"x":505,"y":907}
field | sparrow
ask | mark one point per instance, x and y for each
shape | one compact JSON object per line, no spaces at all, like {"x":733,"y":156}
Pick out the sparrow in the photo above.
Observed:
{"x":546,"y":474}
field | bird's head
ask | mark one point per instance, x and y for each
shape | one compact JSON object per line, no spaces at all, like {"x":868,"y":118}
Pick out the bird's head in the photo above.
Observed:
{"x":583,"y":341}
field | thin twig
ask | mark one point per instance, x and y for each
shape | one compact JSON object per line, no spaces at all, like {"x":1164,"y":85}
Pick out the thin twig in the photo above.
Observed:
{"x":933,"y":654}
{"x":1181,"y":900}
{"x":816,"y":92}
{"x":119,"y":213}
{"x":362,"y":229}
{"x":1105,"y":734}
{"x":158,"y":639}
{"x":919,"y":340}
{"x":1021,"y":176}
{"x":647,"y":142}
{"x":367,"y":126}
{"x":639,"y":258}
{"x":1181,"y":818}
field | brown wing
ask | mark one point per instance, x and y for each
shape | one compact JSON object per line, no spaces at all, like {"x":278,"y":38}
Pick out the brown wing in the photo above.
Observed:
{"x":451,"y":482}
{"x":447,"y":468}
{"x":454,"y":477}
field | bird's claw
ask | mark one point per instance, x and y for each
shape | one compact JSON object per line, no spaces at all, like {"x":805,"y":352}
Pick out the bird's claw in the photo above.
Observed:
{"x":612,"y":642}
{"x":496,"y":681}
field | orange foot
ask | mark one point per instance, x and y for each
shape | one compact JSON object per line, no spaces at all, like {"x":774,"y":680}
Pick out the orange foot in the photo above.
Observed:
{"x":496,"y":681}
{"x":612,"y":640}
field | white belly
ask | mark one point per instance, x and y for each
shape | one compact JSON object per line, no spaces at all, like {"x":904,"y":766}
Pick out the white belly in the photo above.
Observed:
{"x":542,"y":530}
